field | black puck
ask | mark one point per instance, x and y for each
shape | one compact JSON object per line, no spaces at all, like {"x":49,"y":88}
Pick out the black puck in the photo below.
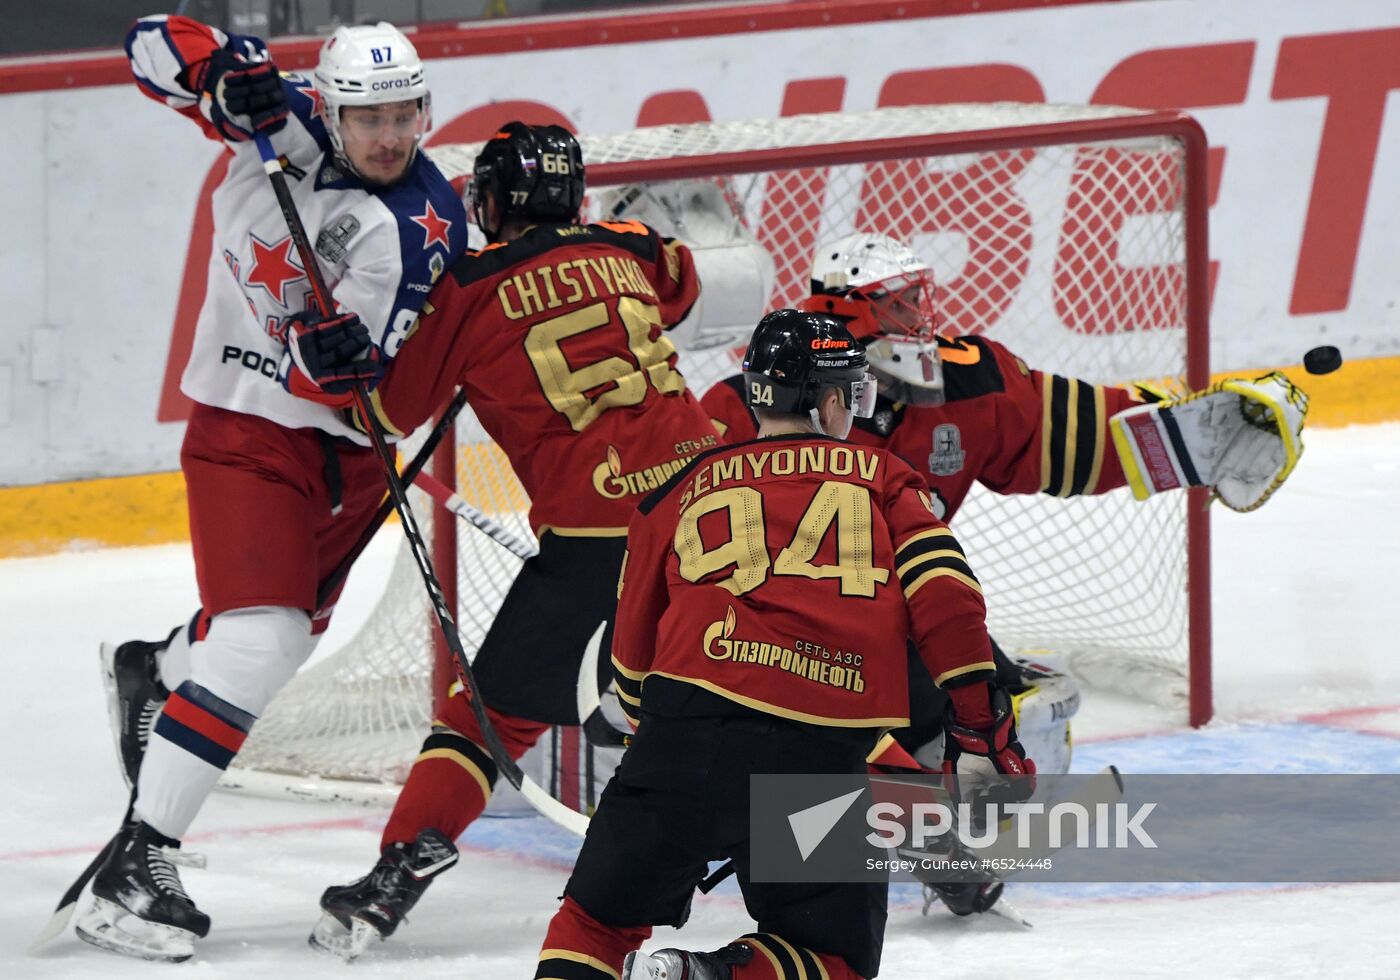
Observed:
{"x":1322,"y":360}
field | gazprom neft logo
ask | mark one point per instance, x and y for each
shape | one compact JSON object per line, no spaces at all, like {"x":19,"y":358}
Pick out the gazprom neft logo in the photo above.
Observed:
{"x":1066,"y":824}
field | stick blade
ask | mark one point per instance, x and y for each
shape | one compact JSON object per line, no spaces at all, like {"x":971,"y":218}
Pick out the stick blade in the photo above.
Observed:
{"x":55,"y":927}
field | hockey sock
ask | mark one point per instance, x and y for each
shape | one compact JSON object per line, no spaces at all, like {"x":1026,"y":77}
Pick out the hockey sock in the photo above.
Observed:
{"x":174,"y":661}
{"x":777,"y":959}
{"x":579,"y":946}
{"x":453,"y":776}
{"x":196,"y":736}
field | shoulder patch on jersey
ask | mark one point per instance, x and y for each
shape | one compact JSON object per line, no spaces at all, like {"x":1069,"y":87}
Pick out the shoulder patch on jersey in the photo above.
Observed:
{"x":334,"y":241}
{"x":970,"y":368}
{"x":948,"y":456}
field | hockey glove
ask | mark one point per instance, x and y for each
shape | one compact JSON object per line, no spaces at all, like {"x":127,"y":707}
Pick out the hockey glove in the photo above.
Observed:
{"x":246,"y":97}
{"x":334,"y":353}
{"x":976,"y":759}
{"x":1239,"y":437}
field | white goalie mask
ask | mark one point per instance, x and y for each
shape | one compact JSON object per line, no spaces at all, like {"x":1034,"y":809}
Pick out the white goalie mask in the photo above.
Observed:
{"x":886,"y":293}
{"x":370,"y":65}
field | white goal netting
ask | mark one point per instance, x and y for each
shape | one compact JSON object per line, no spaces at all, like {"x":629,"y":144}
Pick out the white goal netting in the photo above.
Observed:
{"x":1074,"y":235}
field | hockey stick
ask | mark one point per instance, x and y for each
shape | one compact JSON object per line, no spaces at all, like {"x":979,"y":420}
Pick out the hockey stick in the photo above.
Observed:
{"x":596,"y":728}
{"x":63,"y":911}
{"x":486,"y":525}
{"x":538,"y":798}
{"x":410,"y":474}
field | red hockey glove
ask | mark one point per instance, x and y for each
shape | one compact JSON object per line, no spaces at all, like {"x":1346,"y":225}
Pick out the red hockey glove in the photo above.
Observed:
{"x":334,"y":353}
{"x":974,"y":757}
{"x":247,"y":95}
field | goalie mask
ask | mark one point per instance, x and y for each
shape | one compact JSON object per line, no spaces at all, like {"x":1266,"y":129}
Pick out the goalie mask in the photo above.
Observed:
{"x":794,"y":357}
{"x":532,"y":174}
{"x":885,"y":293}
{"x":370,"y":65}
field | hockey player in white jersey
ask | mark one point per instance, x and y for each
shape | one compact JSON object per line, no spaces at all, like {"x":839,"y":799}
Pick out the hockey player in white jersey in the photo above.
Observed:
{"x":279,"y":487}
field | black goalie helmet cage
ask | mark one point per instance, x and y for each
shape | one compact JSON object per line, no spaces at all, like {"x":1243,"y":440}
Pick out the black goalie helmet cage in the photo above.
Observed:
{"x":795,"y":355}
{"x":533,"y":173}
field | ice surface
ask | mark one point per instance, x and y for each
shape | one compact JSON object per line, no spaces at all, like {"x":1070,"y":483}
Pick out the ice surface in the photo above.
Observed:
{"x":1307,"y":666}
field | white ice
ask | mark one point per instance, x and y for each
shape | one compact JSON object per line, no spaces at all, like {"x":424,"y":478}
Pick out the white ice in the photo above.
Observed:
{"x":1307,"y":640}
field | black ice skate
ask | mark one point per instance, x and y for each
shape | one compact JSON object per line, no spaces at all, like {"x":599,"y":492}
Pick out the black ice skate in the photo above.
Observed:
{"x":135,"y":696}
{"x":140,"y":908}
{"x":965,"y":897}
{"x":374,"y":906}
{"x":681,"y":964}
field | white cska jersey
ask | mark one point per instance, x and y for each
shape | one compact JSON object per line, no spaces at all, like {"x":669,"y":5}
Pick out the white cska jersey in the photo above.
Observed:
{"x":379,"y":249}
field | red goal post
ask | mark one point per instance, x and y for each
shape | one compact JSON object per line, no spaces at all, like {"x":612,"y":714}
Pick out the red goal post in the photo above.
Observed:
{"x":1075,"y":235}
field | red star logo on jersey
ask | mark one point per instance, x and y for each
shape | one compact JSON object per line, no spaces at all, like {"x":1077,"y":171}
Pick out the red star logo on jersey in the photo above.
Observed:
{"x":434,"y":227}
{"x":309,"y":90}
{"x":273,"y":268}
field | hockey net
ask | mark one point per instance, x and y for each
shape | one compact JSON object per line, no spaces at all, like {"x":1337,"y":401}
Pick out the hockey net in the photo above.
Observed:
{"x":1076,"y":236}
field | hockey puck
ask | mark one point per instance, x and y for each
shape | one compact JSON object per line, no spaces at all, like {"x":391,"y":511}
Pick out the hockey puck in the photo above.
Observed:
{"x":1322,"y":360}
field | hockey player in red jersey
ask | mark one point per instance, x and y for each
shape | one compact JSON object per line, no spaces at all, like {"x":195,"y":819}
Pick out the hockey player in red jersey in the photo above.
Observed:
{"x":556,"y":332}
{"x":965,"y":410}
{"x":829,"y":550}
{"x":279,"y":485}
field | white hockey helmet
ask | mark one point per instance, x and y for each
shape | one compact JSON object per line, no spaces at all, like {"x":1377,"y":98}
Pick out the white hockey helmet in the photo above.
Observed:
{"x":886,"y":292}
{"x":371,"y":64}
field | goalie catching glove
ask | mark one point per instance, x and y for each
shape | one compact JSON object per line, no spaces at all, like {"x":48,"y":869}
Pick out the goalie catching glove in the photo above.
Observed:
{"x":334,"y":353}
{"x":1239,"y":437}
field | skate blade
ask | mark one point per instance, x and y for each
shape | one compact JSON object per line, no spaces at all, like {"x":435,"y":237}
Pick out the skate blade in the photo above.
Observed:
{"x":329,"y":936}
{"x":109,"y":926}
{"x":1010,"y":913}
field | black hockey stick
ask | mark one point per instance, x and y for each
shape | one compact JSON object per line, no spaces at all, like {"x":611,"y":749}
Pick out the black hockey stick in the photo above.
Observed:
{"x":539,"y":799}
{"x":63,"y":911}
{"x":409,"y":474}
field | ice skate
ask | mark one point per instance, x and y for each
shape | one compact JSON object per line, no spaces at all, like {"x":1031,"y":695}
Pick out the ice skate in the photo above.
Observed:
{"x":681,"y":964}
{"x":135,"y":696}
{"x":372,"y":907}
{"x":140,"y":908}
{"x":963,"y":897}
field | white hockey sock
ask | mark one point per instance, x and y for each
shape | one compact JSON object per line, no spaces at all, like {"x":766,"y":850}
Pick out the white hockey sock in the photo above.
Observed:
{"x":174,"y":662}
{"x":172,"y":787}
{"x":244,"y":660}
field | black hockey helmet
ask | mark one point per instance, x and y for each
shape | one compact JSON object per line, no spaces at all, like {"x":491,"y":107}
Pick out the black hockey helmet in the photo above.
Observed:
{"x":534,"y":173}
{"x":794,"y":356}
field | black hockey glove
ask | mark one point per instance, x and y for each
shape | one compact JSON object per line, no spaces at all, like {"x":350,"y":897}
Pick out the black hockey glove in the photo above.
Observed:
{"x":247,"y":96}
{"x":974,"y":758}
{"x":334,"y":352}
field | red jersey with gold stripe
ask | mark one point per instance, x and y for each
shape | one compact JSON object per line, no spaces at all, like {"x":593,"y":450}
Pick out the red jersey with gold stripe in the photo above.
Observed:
{"x":787,"y":574}
{"x":1003,"y":425}
{"x":558,"y":339}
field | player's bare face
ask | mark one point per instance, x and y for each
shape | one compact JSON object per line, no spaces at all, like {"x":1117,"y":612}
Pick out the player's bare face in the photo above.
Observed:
{"x":379,"y":139}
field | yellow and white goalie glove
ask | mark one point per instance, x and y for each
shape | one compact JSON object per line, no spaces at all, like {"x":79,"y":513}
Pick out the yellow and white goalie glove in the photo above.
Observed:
{"x":1239,"y":437}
